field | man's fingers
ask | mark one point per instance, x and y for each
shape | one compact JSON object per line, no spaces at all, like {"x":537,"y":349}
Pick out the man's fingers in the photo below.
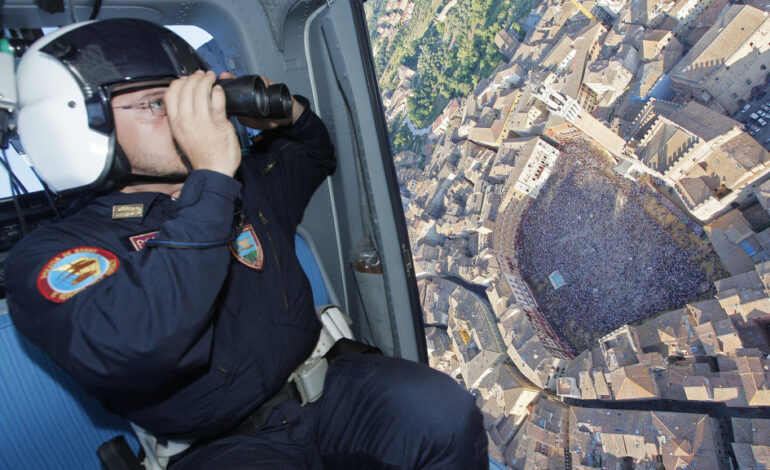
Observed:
{"x":201,"y":98}
{"x":226,"y":75}
{"x":186,"y":93}
{"x":171,"y":98}
{"x":218,"y":104}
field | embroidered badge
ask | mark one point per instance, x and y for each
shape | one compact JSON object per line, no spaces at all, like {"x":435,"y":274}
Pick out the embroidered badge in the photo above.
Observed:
{"x":138,"y":241}
{"x":247,"y":248}
{"x":127,"y":211}
{"x":72,"y":271}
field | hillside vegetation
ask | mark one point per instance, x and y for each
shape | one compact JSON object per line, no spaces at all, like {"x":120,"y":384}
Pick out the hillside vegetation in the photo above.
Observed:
{"x":450,"y":57}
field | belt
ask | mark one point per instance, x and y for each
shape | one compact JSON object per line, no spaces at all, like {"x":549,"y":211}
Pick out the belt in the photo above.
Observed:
{"x":250,"y":423}
{"x":259,"y":417}
{"x":289,"y":391}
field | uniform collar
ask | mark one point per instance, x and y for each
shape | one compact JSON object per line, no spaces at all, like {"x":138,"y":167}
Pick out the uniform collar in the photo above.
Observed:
{"x":126,"y":206}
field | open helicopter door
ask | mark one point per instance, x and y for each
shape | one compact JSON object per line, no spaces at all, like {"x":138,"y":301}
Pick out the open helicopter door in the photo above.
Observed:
{"x":355,"y":220}
{"x":341,"y":65}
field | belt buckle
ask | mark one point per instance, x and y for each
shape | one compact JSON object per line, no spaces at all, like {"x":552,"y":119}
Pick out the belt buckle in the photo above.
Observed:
{"x":309,"y":379}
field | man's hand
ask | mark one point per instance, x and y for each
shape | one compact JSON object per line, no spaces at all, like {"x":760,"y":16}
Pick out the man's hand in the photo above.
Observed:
{"x":254,"y":123}
{"x":199,"y":124}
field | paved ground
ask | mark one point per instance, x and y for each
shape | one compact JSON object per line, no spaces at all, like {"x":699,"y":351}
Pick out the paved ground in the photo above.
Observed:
{"x":754,"y":126}
{"x":618,"y":263}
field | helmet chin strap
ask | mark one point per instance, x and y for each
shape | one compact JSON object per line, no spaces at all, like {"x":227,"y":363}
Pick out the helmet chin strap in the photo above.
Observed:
{"x":120,"y":174}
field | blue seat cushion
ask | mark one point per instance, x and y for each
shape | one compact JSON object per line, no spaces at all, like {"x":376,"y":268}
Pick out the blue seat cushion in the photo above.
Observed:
{"x":47,"y":421}
{"x":309,"y":264}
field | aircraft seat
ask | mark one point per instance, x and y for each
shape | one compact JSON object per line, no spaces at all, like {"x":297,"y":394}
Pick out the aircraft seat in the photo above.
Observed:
{"x":47,"y":421}
{"x":310,"y":261}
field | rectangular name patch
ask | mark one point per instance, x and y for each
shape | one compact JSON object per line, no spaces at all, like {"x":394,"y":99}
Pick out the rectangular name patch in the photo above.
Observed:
{"x":127,"y":211}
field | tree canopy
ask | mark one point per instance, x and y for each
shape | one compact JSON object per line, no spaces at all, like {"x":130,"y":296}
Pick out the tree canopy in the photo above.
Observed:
{"x":449,"y":57}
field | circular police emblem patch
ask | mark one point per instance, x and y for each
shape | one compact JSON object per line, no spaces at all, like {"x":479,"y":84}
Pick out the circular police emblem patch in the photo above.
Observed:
{"x":72,"y":271}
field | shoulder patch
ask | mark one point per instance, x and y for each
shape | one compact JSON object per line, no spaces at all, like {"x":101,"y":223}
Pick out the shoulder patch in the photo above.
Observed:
{"x":247,"y":249}
{"x":73,"y":270}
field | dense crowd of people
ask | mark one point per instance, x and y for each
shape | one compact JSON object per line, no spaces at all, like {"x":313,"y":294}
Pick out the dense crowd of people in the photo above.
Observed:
{"x":618,"y":264}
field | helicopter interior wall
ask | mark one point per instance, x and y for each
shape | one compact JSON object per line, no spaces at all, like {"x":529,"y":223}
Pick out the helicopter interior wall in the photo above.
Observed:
{"x":343,"y":45}
{"x":346,"y":216}
{"x":316,"y":63}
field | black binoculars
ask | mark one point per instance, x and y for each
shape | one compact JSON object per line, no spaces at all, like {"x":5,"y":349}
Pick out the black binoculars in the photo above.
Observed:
{"x":247,"y":96}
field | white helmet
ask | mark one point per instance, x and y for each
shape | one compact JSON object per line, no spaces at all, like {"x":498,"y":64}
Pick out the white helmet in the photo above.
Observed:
{"x":65,"y":82}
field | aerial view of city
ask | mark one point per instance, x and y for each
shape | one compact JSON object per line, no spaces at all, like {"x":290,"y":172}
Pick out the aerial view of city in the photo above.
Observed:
{"x":586,"y":186}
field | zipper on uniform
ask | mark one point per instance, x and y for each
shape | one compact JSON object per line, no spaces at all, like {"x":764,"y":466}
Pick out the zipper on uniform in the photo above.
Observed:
{"x":275,"y":256}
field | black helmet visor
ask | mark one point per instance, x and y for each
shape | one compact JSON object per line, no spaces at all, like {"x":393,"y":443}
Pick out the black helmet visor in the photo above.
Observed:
{"x":106,"y":53}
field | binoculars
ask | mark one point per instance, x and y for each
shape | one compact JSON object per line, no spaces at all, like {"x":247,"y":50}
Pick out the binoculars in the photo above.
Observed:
{"x":247,"y":96}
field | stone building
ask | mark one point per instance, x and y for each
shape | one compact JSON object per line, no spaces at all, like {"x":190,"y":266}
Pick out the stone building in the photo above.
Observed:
{"x":644,"y":440}
{"x":703,"y":154}
{"x":728,"y":61}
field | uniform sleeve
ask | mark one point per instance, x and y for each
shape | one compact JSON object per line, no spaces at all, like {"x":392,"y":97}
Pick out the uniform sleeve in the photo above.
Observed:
{"x":295,"y":160}
{"x":151,"y":320}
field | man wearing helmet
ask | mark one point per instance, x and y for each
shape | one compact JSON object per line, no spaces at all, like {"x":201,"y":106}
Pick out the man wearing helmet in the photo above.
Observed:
{"x":146,"y":299}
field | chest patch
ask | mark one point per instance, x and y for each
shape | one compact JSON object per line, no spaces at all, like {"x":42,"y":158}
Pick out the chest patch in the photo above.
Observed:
{"x":138,"y":241}
{"x":247,"y":249}
{"x":127,"y":211}
{"x":73,"y":270}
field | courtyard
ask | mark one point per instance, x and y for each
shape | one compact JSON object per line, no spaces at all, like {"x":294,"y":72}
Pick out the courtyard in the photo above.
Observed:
{"x":618,"y":264}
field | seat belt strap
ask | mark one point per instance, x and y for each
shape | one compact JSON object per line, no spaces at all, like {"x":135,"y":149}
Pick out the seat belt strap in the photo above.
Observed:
{"x":157,"y":455}
{"x":309,"y":377}
{"x":116,"y":454}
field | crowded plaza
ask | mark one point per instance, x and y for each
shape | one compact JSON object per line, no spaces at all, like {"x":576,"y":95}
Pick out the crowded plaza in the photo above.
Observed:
{"x":616,"y":263}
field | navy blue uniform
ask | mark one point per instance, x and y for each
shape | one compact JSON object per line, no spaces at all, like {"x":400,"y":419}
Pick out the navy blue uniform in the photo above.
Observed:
{"x":184,"y":339}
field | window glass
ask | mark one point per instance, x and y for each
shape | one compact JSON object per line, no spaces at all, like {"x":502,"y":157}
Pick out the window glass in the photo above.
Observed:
{"x":22,"y":171}
{"x":194,"y":35}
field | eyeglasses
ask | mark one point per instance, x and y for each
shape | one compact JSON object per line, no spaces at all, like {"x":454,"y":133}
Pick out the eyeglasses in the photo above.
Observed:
{"x":155,"y":105}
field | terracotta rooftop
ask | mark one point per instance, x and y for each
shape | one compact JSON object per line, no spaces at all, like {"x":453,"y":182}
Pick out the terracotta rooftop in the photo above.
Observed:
{"x":720,"y":42}
{"x":702,"y":121}
{"x":633,"y":383}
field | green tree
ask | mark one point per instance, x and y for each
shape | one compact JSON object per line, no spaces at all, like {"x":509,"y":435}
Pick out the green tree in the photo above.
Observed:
{"x":444,"y":72}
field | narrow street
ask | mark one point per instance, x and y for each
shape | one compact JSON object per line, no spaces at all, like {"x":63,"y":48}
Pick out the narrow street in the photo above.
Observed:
{"x":414,"y":130}
{"x":715,"y":410}
{"x":485,"y":308}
